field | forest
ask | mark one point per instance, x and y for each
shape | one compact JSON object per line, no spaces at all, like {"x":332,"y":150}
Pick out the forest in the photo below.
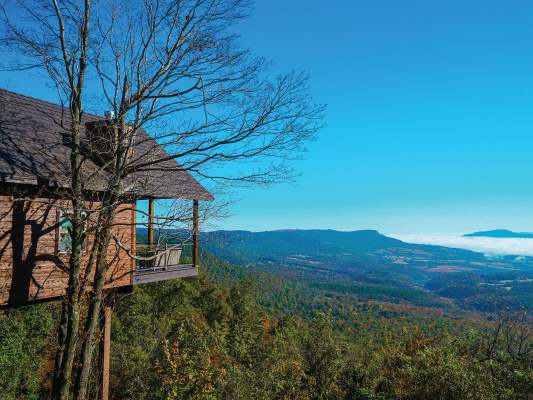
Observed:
{"x":236,"y":333}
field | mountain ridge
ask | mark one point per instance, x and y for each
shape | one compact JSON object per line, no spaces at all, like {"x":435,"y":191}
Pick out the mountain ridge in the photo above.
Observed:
{"x":501,"y":233}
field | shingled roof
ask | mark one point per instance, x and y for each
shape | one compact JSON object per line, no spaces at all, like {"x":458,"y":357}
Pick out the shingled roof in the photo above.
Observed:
{"x":35,"y":149}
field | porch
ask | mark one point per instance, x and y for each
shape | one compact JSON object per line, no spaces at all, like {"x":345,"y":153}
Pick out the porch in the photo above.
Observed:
{"x":162,"y":261}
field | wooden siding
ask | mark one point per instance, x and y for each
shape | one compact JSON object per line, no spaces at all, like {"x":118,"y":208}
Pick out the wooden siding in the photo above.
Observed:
{"x":31,"y":267}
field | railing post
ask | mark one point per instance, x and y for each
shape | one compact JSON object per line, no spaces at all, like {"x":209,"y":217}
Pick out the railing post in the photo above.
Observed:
{"x":166,"y":256}
{"x":195,"y":233}
{"x":150,"y":223}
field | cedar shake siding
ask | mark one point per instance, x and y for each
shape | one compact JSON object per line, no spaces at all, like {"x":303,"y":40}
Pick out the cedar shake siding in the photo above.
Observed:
{"x":32,"y":268}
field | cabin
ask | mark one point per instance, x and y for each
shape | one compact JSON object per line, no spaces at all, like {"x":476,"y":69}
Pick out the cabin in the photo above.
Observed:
{"x":34,"y":177}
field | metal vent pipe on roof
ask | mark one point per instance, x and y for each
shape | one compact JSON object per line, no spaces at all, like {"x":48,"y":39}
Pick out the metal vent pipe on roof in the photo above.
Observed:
{"x":109,"y":114}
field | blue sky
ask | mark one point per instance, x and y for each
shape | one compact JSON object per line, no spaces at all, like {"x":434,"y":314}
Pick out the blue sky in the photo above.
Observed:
{"x":429,"y":117}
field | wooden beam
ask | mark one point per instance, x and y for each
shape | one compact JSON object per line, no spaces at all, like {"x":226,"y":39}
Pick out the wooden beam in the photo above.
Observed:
{"x":195,"y":233}
{"x":106,"y":351}
{"x":150,"y":222}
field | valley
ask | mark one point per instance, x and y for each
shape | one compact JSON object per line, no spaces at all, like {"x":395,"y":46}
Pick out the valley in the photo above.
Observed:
{"x":359,"y":256}
{"x":362,"y":277}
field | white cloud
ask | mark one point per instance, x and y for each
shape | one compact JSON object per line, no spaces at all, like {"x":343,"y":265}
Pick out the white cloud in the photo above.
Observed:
{"x":491,"y":247}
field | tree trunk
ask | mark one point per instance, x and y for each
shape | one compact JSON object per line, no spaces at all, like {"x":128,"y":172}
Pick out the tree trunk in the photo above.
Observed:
{"x":93,"y":319}
{"x":67,"y":349}
{"x":103,"y":238}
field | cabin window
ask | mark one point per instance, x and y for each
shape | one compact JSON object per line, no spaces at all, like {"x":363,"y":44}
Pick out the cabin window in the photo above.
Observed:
{"x":64,"y":243}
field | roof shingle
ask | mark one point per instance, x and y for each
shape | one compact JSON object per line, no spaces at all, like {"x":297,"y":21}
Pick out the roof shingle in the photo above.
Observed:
{"x":34,"y":149}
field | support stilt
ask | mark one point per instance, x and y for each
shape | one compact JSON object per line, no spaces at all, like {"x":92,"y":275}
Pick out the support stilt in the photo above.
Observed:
{"x":195,"y":233}
{"x":106,"y":351}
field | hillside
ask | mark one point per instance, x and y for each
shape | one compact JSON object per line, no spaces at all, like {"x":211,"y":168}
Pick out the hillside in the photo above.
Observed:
{"x":207,"y":337}
{"x":328,"y":344}
{"x":354,"y":307}
{"x":481,"y":292}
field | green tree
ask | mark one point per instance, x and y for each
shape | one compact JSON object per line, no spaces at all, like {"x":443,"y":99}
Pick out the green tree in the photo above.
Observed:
{"x":194,"y":360}
{"x":421,"y":368}
{"x":323,"y":358}
{"x":26,"y":341}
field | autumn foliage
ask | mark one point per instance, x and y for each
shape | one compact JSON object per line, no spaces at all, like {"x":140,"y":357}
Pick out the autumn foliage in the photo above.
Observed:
{"x":192,"y":339}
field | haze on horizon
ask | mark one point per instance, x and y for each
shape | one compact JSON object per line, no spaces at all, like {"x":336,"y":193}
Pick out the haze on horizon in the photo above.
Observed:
{"x":428,"y":121}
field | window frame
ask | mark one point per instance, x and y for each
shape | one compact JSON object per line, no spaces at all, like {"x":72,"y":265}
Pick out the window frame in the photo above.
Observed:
{"x":59,"y":234}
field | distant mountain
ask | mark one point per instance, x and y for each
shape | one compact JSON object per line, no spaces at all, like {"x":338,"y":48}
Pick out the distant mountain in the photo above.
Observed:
{"x":501,"y":233}
{"x":358,"y":256}
{"x":322,"y":245}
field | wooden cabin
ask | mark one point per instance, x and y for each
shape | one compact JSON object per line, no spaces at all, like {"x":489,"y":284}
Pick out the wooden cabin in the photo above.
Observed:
{"x":34,"y":239}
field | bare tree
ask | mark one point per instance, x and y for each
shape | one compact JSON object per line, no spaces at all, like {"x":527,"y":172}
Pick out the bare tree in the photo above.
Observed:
{"x":175,"y":69}
{"x":508,"y":331}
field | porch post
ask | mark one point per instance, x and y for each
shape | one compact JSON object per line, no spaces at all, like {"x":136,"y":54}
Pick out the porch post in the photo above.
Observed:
{"x":106,"y":350}
{"x":195,"y":233}
{"x":150,"y":222}
{"x":133,"y":238}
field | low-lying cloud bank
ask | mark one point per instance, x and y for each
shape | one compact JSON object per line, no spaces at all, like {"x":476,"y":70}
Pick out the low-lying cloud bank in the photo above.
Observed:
{"x":491,"y":247}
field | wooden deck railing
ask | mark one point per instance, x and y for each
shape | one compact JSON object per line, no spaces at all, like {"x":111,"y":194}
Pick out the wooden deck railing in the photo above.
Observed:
{"x":162,"y":256}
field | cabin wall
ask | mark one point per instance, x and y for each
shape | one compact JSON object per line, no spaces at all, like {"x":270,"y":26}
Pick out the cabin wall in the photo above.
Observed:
{"x":31,"y":267}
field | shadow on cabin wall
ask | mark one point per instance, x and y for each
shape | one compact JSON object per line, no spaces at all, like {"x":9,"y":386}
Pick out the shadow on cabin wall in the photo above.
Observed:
{"x":26,"y":249}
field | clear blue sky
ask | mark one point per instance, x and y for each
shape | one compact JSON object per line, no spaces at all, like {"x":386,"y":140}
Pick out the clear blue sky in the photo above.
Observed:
{"x":429,"y":117}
